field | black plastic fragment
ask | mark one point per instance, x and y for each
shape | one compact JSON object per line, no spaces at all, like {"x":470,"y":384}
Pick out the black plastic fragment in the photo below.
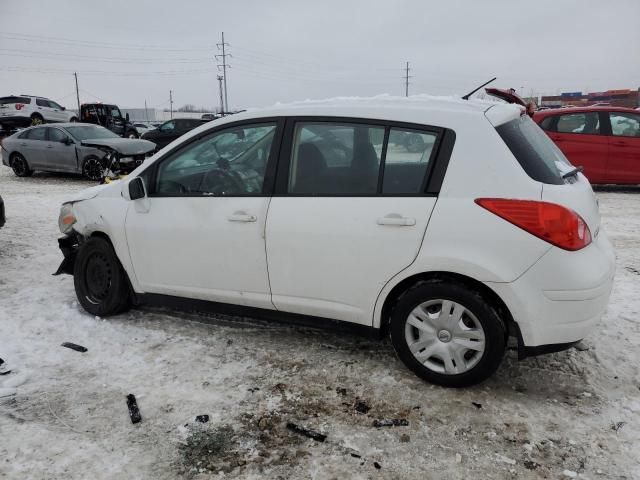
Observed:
{"x":377,"y":465}
{"x":307,"y":432}
{"x":392,"y":422}
{"x":355,"y":455}
{"x":134,"y":411}
{"x":73,"y":346}
{"x":202,"y":418}
{"x":5,"y":373}
{"x":361,"y":407}
{"x":476,"y":404}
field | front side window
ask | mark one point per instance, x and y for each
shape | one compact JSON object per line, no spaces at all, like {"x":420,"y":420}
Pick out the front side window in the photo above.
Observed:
{"x":625,"y":124}
{"x":115,"y":112}
{"x":37,"y":133}
{"x":332,"y":158}
{"x":53,"y":104}
{"x":587,"y":123}
{"x":229,"y":162}
{"x":407,"y":160}
{"x":56,"y":135}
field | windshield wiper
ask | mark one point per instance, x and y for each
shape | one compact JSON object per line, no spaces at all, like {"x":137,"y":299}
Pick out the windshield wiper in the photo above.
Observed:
{"x":573,"y":172}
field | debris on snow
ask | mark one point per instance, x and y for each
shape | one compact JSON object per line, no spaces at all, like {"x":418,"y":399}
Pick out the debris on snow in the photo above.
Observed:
{"x":615,"y":426}
{"x":503,"y":459}
{"x":134,"y":411}
{"x":361,"y":406}
{"x":377,"y":465}
{"x":391,"y":422}
{"x":73,"y":346}
{"x":202,"y":418}
{"x":476,"y":404}
{"x":307,"y":432}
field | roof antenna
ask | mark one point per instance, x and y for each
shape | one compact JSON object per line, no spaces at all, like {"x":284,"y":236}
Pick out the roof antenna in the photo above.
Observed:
{"x":466,"y":97}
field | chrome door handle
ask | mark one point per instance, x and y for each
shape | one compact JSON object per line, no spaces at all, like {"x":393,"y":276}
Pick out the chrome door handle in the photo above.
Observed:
{"x":397,"y":220}
{"x":241,"y":217}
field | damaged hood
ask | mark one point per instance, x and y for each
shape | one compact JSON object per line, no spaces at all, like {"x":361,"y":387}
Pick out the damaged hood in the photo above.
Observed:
{"x":88,"y":193}
{"x":124,"y":146}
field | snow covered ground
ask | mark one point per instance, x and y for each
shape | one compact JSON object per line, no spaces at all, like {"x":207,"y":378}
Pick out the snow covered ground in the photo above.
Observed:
{"x":63,"y":413}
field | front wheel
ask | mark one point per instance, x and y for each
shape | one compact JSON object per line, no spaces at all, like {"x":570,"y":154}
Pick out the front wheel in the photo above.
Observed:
{"x":93,"y":168}
{"x":99,"y":279}
{"x":132,"y":134}
{"x":447,"y":333}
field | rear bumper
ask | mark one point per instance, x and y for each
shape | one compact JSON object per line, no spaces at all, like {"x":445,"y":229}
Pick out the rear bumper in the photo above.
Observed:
{"x":561,"y":298}
{"x":15,"y":120}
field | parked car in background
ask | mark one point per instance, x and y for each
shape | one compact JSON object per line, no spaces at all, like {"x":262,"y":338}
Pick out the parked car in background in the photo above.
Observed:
{"x":110,"y":117}
{"x":142,"y":127}
{"x":171,"y":129}
{"x":313,"y":211}
{"x":24,"y":110}
{"x":71,"y":148}
{"x":604,"y":140}
{"x":2,"y":214}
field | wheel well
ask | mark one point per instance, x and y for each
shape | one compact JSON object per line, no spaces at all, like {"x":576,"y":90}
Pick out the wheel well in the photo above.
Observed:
{"x":404,"y":285}
{"x":36,"y":114}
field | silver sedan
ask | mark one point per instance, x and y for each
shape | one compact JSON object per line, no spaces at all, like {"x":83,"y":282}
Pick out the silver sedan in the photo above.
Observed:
{"x":72,"y":148}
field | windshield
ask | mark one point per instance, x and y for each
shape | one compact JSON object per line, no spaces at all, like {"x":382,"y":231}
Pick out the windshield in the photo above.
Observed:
{"x":534,"y":150}
{"x":85,"y":132}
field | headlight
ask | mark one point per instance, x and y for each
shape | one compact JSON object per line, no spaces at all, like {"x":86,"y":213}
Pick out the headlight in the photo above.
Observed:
{"x":66,"y":218}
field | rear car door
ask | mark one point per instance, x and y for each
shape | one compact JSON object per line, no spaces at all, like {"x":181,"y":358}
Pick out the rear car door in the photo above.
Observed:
{"x":43,"y":107}
{"x":624,"y":147}
{"x":57,"y":112}
{"x":200,"y":231}
{"x":61,"y":151}
{"x":33,"y":146}
{"x":349,"y":212}
{"x":579,"y":136}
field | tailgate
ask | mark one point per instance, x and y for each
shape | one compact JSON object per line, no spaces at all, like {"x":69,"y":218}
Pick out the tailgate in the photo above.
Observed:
{"x":577,"y":196}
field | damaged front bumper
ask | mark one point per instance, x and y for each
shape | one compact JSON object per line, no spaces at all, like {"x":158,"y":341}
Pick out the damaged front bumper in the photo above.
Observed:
{"x":69,"y":245}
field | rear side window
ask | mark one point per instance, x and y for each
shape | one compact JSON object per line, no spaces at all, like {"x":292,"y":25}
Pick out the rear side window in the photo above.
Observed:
{"x":624,"y":124}
{"x":11,"y":100}
{"x":42,"y":102}
{"x":408,"y":157}
{"x":36,"y":133}
{"x":535,"y":152}
{"x":587,"y":123}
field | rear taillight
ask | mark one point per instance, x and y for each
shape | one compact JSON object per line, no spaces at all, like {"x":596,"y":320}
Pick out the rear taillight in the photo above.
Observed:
{"x":19,"y":106}
{"x":553,"y":223}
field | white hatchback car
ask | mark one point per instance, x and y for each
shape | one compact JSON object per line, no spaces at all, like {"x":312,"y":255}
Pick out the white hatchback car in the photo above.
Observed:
{"x":448,"y":224}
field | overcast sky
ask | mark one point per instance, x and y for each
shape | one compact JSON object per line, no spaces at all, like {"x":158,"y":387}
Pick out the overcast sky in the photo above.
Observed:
{"x":129,"y":51}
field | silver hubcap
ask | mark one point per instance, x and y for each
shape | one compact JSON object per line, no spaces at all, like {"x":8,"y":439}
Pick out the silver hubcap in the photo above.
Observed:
{"x":445,"y":336}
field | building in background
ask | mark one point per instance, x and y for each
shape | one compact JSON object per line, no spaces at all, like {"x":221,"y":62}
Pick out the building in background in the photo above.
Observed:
{"x":618,"y":98}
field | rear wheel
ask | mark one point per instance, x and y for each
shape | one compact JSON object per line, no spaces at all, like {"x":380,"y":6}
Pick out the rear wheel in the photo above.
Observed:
{"x":36,"y":119}
{"x":20,"y":166}
{"x":73,"y":119}
{"x":447,"y":333}
{"x":132,"y":134}
{"x":99,"y":279}
{"x":93,"y":168}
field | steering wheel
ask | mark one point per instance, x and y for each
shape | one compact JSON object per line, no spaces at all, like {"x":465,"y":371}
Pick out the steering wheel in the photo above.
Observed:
{"x":218,"y":180}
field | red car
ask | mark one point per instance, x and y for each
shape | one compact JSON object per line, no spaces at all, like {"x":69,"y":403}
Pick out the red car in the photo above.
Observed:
{"x":604,"y":140}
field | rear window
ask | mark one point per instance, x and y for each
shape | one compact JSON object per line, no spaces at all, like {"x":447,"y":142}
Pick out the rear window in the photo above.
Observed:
{"x":535,"y":152}
{"x":13,"y":99}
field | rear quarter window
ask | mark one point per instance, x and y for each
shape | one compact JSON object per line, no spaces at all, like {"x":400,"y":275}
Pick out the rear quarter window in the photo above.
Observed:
{"x":534,"y":150}
{"x":12,"y":99}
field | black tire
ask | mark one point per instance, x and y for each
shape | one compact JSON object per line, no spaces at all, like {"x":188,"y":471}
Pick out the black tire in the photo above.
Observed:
{"x":36,"y":119}
{"x":20,"y":166}
{"x":493,"y":328}
{"x":93,"y":168}
{"x":132,"y":134}
{"x":73,"y":119}
{"x":100,"y":281}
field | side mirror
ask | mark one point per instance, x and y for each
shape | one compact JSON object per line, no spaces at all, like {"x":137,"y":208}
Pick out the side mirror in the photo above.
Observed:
{"x":127,"y":116}
{"x":136,"y":189}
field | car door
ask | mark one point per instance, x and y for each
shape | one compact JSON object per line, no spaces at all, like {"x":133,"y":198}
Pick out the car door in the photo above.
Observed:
{"x":165,"y":134}
{"x":349,"y":212}
{"x":57,"y":112}
{"x":624,"y":147}
{"x":44,"y":108}
{"x":33,"y":147}
{"x":200,"y":231}
{"x":579,"y":137}
{"x":60,"y":151}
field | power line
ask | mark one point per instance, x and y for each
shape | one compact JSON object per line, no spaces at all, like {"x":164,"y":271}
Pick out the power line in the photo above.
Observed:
{"x":221,"y":46}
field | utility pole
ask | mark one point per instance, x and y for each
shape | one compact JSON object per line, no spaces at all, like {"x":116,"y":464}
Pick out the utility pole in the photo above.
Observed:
{"x":170,"y":104}
{"x":146,"y":112}
{"x":75,"y":74}
{"x":225,"y":65}
{"x":406,"y":80}
{"x":220,"y":90}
